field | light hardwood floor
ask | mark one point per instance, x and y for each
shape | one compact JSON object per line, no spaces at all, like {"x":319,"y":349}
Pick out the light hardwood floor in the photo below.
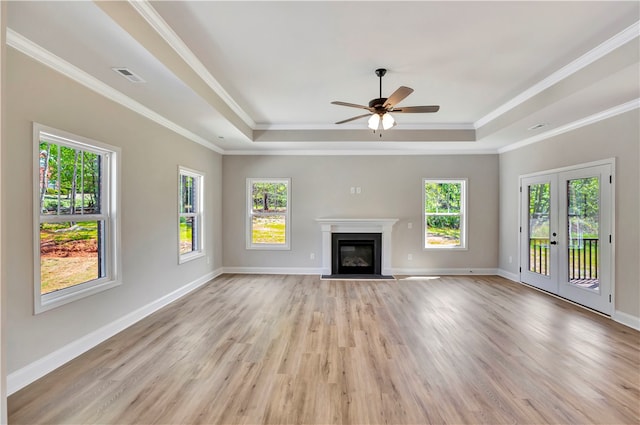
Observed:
{"x":300,"y":350}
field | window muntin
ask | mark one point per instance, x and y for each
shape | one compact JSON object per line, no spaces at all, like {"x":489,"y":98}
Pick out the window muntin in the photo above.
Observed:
{"x":75,"y":222}
{"x":268,"y":206}
{"x":190,"y":221}
{"x":444,"y":213}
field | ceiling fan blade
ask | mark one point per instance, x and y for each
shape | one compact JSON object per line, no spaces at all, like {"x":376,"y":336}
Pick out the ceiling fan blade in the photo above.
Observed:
{"x":416,"y":109}
{"x":352,"y":119}
{"x":397,"y":96}
{"x":352,"y":105}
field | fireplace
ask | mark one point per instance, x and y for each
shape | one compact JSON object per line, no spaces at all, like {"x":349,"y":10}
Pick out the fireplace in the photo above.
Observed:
{"x":357,"y":230}
{"x":356,"y":254}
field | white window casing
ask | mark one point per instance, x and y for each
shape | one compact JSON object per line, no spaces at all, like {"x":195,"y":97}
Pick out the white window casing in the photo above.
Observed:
{"x":282,"y":212}
{"x":107,"y":216}
{"x":194,"y":248}
{"x":431,"y":244}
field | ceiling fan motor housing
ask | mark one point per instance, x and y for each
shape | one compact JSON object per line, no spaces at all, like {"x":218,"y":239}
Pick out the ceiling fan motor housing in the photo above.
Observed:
{"x":377,"y":104}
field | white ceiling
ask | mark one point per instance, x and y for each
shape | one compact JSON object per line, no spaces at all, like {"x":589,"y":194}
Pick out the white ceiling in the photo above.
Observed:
{"x":247,"y":77}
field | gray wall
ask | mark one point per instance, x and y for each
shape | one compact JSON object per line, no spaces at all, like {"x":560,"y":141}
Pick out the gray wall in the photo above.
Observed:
{"x":391,"y":188}
{"x":615,"y":137}
{"x":150,"y":158}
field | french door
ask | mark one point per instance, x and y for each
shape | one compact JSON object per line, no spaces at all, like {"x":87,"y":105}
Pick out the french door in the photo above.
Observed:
{"x":566,"y":233}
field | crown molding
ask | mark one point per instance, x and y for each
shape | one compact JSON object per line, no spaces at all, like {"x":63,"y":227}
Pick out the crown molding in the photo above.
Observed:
{"x":351,"y":152}
{"x":34,"y":51}
{"x":588,"y":58}
{"x":144,"y":8}
{"x":429,"y":126}
{"x":591,"y":119}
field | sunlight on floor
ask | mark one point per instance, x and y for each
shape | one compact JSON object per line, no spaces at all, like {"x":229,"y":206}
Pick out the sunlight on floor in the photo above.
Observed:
{"x":419,"y":278}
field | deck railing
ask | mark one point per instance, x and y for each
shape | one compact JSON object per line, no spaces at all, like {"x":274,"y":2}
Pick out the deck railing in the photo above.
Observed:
{"x":583,"y":258}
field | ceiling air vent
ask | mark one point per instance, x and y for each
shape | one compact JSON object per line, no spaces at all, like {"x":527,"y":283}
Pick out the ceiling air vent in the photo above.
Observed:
{"x":129,"y":75}
{"x":537,"y":126}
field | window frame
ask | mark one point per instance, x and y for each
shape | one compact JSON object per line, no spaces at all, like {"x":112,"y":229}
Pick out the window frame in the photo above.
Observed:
{"x":250,"y":214}
{"x":463,"y":214}
{"x":198,"y":214}
{"x":110,"y":201}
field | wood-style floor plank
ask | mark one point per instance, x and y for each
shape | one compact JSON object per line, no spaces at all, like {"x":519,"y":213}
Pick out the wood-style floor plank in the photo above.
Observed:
{"x":299,"y":350}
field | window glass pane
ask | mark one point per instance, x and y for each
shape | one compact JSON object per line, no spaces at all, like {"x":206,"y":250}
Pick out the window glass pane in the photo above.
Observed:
{"x":188,"y":235}
{"x":69,"y":180}
{"x":443,"y":230}
{"x":70,"y":254}
{"x":188,"y":195}
{"x":268,"y":229}
{"x":442,"y":197}
{"x":269,"y":197}
{"x":89,"y":183}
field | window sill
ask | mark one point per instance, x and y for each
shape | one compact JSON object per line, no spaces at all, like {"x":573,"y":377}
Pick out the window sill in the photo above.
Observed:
{"x":50,"y":301}
{"x":185,"y":258}
{"x":269,"y":247}
{"x":444,"y":248}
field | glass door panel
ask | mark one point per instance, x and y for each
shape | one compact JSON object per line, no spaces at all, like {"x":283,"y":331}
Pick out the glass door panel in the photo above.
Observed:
{"x":583,"y":221}
{"x":539,"y":228}
{"x":539,"y":219}
{"x":586,"y":236}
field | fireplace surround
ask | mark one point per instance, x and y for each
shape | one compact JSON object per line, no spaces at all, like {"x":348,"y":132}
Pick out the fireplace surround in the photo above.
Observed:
{"x":359,"y":231}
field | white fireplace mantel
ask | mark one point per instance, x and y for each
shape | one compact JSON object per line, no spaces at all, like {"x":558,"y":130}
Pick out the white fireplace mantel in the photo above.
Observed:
{"x":356,"y":225}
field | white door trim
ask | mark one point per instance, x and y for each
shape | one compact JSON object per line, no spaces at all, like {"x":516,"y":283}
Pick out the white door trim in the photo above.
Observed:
{"x":611,"y":222}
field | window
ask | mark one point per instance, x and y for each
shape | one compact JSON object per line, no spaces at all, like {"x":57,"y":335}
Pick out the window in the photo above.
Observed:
{"x":190,"y":225}
{"x":445,"y":220}
{"x":268,"y":213}
{"x":75,"y":220}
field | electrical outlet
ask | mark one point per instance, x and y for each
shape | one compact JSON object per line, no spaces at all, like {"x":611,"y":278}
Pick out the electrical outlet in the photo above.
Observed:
{"x":312,"y":256}
{"x":409,"y":225}
{"x":358,"y":190}
{"x":353,"y":190}
{"x":410,"y":257}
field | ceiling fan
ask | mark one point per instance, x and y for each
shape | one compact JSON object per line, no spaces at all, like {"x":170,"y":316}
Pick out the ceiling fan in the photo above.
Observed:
{"x":379,"y":108}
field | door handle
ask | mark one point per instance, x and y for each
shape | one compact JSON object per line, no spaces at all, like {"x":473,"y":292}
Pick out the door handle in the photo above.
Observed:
{"x":553,"y":243}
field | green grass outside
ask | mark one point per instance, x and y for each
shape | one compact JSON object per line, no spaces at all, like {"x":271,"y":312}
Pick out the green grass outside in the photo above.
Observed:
{"x":68,"y":254}
{"x":269,"y":230}
{"x":54,"y":232}
{"x":186,"y":237}
{"x":443,"y":236}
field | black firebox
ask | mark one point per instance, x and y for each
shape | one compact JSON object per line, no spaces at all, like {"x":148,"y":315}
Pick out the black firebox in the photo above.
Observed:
{"x":356,"y":254}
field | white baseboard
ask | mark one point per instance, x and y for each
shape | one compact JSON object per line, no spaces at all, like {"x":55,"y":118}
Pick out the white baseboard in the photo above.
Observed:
{"x":33,"y":371}
{"x":400,"y":271}
{"x":273,"y":270}
{"x":508,"y":275}
{"x":446,"y":272}
{"x":626,"y":319}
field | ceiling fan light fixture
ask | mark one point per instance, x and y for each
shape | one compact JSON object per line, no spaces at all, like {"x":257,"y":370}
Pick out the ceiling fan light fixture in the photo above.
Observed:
{"x":388,"y":121}
{"x":374,"y":122}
